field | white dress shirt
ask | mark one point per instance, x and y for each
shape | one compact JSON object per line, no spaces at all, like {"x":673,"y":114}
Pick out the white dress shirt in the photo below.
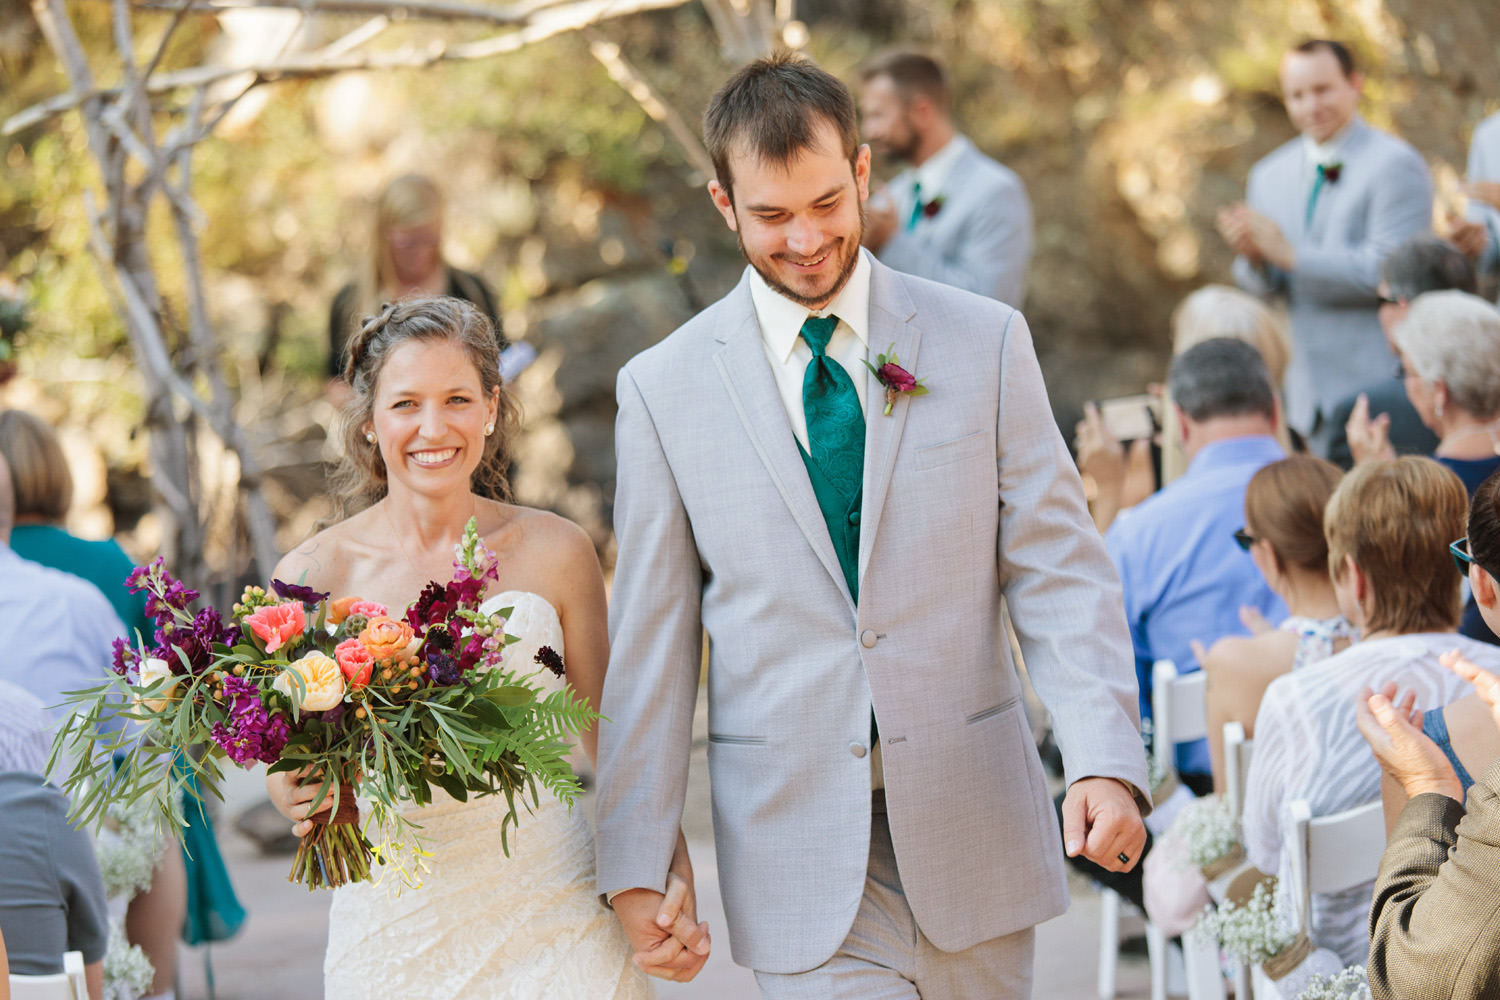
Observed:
{"x":781,"y":322}
{"x":1317,"y":154}
{"x":934,"y":171}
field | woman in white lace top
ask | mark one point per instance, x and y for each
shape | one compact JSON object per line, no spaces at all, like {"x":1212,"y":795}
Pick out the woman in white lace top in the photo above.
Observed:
{"x":1388,"y":527}
{"x":1284,"y":535}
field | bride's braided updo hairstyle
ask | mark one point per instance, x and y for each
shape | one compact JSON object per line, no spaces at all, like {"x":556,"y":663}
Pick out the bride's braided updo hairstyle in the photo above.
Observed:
{"x":360,"y":478}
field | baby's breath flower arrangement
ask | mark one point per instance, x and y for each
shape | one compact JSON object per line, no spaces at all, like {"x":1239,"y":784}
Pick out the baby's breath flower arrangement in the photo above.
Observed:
{"x":1253,"y":931}
{"x":1349,"y":984}
{"x":127,"y":970}
{"x":1210,"y":829}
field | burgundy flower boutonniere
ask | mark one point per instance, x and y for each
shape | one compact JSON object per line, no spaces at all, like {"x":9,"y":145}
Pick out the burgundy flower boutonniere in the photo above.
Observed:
{"x":933,"y":207}
{"x":1331,"y":171}
{"x":897,"y":380}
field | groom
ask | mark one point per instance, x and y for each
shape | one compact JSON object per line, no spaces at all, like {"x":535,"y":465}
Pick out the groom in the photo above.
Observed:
{"x":882,"y":820}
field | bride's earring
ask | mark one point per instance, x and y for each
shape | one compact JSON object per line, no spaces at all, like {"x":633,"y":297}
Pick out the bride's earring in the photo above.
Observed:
{"x":489,"y":429}
{"x":370,"y":436}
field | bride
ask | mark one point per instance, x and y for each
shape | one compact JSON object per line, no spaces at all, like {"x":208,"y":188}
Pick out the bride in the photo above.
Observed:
{"x":427,"y":436}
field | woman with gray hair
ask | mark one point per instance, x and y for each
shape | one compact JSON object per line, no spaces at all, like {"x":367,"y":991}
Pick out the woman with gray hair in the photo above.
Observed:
{"x":1449,"y":345}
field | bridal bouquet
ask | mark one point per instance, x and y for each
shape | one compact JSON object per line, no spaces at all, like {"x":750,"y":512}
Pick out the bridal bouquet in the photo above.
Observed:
{"x":359,"y":700}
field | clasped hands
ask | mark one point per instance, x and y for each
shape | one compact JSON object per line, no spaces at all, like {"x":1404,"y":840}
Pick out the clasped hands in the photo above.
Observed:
{"x":663,"y":928}
{"x":1254,"y":236}
{"x":1393,"y":728}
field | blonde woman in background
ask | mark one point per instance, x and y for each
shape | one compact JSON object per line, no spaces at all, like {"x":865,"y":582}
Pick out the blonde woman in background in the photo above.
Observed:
{"x":405,"y":260}
{"x":1124,"y":478}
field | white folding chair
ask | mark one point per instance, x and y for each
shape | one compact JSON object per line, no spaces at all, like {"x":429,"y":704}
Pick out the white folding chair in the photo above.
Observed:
{"x":1180,"y":714}
{"x":1237,"y":753}
{"x":66,"y":985}
{"x":1326,"y":854}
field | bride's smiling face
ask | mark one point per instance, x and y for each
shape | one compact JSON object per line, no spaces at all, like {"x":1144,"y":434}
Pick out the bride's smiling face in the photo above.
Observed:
{"x":429,"y":416}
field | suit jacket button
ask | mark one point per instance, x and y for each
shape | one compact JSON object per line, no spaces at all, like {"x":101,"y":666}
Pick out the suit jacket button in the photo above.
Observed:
{"x":867,"y":638}
{"x":857,"y":749}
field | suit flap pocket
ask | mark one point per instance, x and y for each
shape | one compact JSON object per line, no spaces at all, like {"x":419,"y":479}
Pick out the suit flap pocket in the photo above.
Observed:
{"x":947,"y":452}
{"x":738,"y":740}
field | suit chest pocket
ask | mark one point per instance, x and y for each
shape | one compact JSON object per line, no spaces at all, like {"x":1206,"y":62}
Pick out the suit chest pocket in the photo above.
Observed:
{"x":948,"y":452}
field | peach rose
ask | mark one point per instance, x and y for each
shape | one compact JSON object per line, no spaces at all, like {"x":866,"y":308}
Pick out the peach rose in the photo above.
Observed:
{"x":387,"y":638}
{"x":322,"y":680}
{"x":154,"y":669}
{"x":338,"y":609}
{"x":355,"y":661}
{"x":278,"y":624}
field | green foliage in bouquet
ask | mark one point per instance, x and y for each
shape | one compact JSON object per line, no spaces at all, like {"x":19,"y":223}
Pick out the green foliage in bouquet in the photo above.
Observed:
{"x":339,"y":691}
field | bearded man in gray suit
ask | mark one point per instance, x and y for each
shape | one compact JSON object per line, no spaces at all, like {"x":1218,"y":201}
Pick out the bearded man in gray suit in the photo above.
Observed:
{"x":1323,"y":211}
{"x":880,"y":812}
{"x":954,"y":215}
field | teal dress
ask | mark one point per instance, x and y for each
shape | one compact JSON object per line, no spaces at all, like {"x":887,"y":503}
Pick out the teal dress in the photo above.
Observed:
{"x":214,"y":912}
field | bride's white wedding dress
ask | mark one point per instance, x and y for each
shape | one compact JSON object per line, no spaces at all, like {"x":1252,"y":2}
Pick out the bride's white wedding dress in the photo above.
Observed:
{"x":483,"y":925}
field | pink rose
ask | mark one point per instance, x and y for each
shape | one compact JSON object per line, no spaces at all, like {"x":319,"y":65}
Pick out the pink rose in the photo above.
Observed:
{"x":355,"y":661}
{"x":370,"y":609}
{"x":897,"y":378}
{"x":278,"y":624}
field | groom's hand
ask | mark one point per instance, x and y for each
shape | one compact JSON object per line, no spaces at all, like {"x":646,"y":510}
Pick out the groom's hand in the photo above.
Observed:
{"x":1102,"y":822}
{"x":669,"y":942}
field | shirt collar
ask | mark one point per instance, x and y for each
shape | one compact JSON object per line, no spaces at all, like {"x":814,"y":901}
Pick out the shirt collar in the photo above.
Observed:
{"x":934,"y":171}
{"x":1258,"y":448}
{"x":1327,"y":153}
{"x":781,"y":319}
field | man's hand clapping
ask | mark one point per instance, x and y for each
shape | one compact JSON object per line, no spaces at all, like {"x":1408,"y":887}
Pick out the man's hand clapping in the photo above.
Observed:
{"x":1368,"y":437}
{"x":1394,"y":731}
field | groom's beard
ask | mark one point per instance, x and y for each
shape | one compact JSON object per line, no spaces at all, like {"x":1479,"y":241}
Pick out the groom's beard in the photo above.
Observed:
{"x":846,"y":249}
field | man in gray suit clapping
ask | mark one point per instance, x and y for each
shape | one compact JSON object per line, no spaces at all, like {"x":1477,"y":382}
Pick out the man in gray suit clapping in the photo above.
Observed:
{"x":1322,"y":212}
{"x":954,"y":215}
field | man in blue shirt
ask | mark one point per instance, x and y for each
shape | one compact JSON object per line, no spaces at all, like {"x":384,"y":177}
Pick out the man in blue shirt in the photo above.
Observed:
{"x":1184,"y":576}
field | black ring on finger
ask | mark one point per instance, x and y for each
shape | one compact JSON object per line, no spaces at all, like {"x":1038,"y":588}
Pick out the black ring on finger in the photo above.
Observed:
{"x":1124,"y":858}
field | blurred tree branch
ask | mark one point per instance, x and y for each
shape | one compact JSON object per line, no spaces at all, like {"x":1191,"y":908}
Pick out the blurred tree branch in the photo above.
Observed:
{"x":179,"y":359}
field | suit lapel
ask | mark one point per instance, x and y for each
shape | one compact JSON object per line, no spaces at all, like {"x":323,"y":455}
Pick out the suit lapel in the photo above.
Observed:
{"x":752,"y":390}
{"x":892,"y":320}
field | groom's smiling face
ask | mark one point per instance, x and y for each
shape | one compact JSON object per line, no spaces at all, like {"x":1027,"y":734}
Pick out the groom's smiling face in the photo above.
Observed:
{"x":800,"y":222}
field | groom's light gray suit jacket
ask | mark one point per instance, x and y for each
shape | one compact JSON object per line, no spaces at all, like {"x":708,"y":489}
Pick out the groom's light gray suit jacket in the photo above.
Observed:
{"x":969,"y":493}
{"x":1383,"y":197}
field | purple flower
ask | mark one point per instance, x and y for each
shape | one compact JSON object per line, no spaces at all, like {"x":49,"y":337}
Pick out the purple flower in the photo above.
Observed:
{"x":443,"y":667}
{"x":126,"y":658}
{"x":297,"y":592}
{"x":252,"y":733}
{"x":548,"y":657}
{"x":897,"y":378}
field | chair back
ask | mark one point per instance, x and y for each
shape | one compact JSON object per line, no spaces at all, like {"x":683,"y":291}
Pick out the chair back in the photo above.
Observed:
{"x":1331,"y":853}
{"x":66,"y":985}
{"x":1179,"y":709}
{"x":1237,"y":751}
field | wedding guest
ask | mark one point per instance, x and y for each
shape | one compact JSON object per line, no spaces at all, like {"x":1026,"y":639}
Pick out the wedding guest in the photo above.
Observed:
{"x":953,"y":214}
{"x":1449,"y":344}
{"x":1433,"y":931}
{"x":1388,"y":526}
{"x":1184,"y":576}
{"x":1320,"y":214}
{"x":191,"y":895}
{"x":51,"y":894}
{"x":1123,"y":478}
{"x":1463,"y":730}
{"x":1478,"y":235}
{"x":1381,"y":412}
{"x":1284,"y":535}
{"x":405,"y":259}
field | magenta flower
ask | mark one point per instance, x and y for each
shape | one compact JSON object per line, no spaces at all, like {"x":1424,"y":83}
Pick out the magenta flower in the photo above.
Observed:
{"x":897,"y":380}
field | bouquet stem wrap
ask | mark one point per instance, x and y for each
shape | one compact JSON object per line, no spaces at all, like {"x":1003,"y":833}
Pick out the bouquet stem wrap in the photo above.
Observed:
{"x":335,"y":851}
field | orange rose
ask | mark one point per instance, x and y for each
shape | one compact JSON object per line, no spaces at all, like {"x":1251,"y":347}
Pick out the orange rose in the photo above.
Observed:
{"x":278,"y":624}
{"x":355,"y":661}
{"x":387,"y":638}
{"x":339,"y":610}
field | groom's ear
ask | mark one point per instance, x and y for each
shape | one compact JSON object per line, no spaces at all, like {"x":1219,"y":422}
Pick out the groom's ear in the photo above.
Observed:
{"x":724,"y":201}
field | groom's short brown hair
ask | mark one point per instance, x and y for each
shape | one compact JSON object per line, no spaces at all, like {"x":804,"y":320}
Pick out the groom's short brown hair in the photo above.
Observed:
{"x":772,"y":109}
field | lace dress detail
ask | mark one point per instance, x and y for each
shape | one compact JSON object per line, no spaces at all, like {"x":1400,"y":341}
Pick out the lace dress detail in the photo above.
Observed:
{"x":1316,"y":637}
{"x":483,"y":926}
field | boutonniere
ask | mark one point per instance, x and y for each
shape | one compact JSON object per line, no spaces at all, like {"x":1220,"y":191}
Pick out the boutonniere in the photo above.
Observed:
{"x":897,"y":380}
{"x":1331,"y":171}
{"x":933,"y":207}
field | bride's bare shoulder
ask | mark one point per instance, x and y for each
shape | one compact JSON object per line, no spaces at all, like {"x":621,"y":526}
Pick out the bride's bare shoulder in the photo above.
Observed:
{"x":323,"y":561}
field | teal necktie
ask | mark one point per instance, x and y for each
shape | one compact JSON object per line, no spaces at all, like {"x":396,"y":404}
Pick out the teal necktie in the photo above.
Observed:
{"x":916,"y":207}
{"x":1317,"y":188}
{"x":835,"y":422}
